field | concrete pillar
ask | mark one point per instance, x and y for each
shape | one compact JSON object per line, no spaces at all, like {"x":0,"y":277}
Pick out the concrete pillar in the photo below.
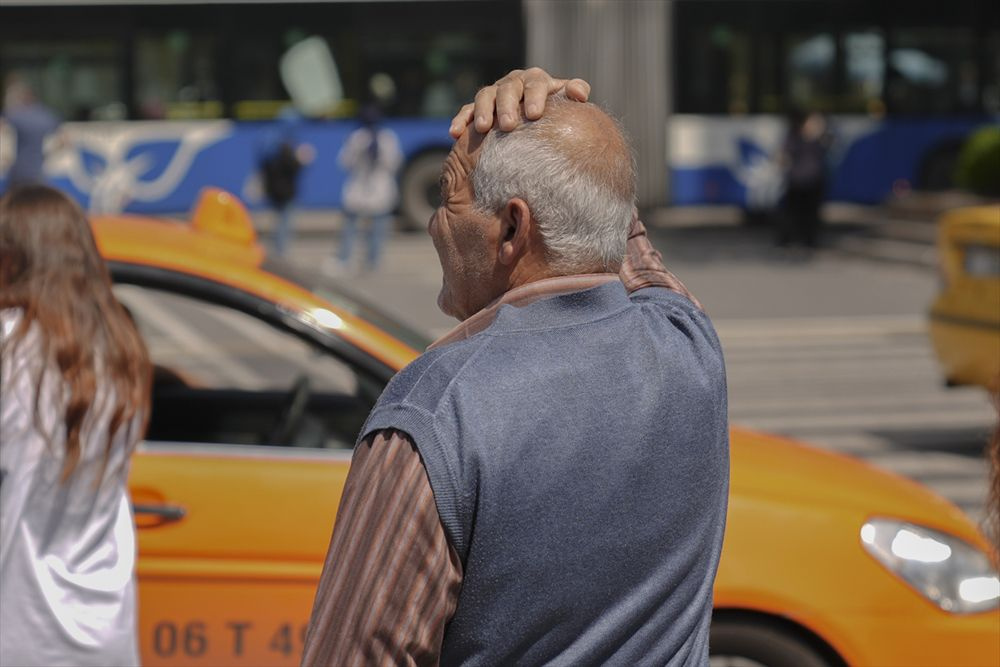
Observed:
{"x":621,"y":48}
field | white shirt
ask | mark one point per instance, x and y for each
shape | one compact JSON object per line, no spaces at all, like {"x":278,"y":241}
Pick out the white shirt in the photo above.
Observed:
{"x":67,"y":550}
{"x":371,"y":187}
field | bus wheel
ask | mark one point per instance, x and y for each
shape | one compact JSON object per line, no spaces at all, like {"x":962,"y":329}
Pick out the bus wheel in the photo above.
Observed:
{"x":746,"y":644}
{"x":420,"y":189}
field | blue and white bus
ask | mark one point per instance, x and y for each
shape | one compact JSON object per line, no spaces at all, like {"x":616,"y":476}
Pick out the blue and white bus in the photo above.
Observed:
{"x":162,"y":100}
{"x":903,"y":83}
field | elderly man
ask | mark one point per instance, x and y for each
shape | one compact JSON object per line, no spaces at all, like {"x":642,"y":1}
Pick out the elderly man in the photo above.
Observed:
{"x":548,"y":482}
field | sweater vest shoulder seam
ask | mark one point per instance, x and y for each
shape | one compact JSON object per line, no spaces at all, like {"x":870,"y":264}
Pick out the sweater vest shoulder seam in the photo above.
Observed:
{"x":483,"y":340}
{"x":416,"y":382}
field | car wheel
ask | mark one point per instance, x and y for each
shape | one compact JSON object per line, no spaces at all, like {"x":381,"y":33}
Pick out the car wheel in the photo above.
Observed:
{"x":421,"y":190}
{"x":742,"y":644}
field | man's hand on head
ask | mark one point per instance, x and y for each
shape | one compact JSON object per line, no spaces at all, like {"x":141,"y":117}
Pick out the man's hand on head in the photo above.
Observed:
{"x":531,"y":86}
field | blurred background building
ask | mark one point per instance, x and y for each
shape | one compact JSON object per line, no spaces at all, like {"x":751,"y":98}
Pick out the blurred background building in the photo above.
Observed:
{"x":164,"y":99}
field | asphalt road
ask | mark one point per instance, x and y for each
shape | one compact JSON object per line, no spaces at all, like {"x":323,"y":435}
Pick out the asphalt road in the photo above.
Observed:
{"x":827,"y":347}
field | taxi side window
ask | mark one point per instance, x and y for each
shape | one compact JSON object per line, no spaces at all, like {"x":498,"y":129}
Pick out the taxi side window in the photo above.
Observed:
{"x":222,"y":376}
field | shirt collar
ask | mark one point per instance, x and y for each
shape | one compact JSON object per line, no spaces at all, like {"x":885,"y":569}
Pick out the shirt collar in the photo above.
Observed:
{"x":520,"y":297}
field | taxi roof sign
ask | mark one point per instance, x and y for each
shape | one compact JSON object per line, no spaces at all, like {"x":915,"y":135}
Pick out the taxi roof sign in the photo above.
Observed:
{"x":223,"y":215}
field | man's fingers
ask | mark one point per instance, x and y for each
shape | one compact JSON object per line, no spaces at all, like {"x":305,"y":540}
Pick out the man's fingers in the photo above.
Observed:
{"x":538,"y":85}
{"x":535,"y":94}
{"x":461,"y":120}
{"x":509,"y":91}
{"x":504,"y":98}
{"x":578,"y":89}
{"x":485,"y":104}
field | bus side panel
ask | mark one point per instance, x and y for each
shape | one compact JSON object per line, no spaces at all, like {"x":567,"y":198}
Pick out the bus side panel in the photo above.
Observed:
{"x":732,"y":160}
{"x":161,"y":166}
{"x":893,"y":153}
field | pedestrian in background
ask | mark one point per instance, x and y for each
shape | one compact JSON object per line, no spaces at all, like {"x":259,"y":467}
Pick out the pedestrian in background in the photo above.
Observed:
{"x":372,"y":157}
{"x":32,"y":123}
{"x":74,"y":400}
{"x":803,"y":158}
{"x":280,"y":170}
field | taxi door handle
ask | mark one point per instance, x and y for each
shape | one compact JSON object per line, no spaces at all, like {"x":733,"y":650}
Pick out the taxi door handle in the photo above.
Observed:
{"x":163,"y":512}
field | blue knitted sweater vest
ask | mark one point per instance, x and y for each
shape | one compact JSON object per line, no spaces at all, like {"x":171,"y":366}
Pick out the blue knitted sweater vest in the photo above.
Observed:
{"x":578,"y":453}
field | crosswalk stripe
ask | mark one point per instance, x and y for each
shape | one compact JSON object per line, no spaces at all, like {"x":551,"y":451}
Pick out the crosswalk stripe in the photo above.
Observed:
{"x":863,"y":404}
{"x":827,"y":388}
{"x":799,"y":370}
{"x":883,"y":420}
{"x":898,"y":353}
{"x":853,"y":323}
{"x":816,"y":344}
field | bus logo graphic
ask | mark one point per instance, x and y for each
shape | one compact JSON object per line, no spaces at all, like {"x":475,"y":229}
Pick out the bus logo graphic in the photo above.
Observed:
{"x":114,"y":165}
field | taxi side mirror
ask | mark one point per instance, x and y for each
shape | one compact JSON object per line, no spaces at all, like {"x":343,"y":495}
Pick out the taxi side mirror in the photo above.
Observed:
{"x":223,"y":215}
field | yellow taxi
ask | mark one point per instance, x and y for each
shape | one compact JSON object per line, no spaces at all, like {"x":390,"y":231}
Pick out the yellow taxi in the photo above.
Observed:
{"x":965,"y":316}
{"x":262,"y":380}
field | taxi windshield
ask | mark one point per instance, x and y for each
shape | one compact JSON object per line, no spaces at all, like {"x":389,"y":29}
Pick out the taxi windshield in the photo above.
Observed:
{"x":340,"y":296}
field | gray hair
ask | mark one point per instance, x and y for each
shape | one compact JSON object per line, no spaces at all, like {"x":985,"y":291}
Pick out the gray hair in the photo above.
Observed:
{"x":579,"y":186}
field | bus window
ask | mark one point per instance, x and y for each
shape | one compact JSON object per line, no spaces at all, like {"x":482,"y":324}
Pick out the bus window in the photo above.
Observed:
{"x":932,"y":70}
{"x":714,"y":74}
{"x":768,"y":86}
{"x":251,"y":70}
{"x":864,"y":77}
{"x":432,"y":72}
{"x":810,"y":61}
{"x":175,"y":77}
{"x":79,"y":79}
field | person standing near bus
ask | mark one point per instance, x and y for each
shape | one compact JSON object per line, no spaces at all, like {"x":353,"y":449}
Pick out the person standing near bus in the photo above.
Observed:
{"x":74,"y":400}
{"x":803,"y":157}
{"x":32,"y":123}
{"x":280,"y":169}
{"x":282,"y":159}
{"x":372,"y":156}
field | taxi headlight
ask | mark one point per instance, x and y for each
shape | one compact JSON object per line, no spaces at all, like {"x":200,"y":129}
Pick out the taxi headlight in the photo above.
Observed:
{"x":946,"y":570}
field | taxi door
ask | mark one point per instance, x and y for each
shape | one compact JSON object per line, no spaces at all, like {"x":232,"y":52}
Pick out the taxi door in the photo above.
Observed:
{"x":231,"y":545}
{"x":237,"y":486}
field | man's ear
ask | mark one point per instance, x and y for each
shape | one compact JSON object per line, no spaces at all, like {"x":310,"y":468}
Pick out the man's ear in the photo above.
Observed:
{"x":515,"y":231}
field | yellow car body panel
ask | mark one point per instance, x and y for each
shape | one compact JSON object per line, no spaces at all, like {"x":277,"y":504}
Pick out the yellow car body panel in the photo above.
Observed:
{"x":232,"y":583}
{"x":965,"y":316}
{"x":792,"y":550}
{"x":230,"y":579}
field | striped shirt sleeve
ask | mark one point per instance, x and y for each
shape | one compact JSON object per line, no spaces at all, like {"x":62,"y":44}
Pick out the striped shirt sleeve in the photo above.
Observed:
{"x":391,"y":580}
{"x":643,"y":265}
